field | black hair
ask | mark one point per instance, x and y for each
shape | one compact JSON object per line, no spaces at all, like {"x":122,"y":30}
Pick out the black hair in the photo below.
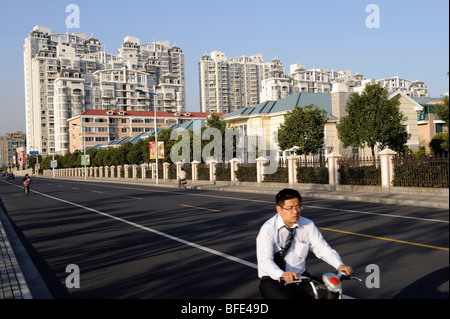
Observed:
{"x":287,"y":194}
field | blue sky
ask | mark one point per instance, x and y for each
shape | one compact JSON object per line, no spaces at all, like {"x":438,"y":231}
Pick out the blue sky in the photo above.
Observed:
{"x":411,"y":41}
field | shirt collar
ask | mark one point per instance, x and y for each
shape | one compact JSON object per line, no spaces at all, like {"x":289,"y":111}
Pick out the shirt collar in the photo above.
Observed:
{"x":280,"y":223}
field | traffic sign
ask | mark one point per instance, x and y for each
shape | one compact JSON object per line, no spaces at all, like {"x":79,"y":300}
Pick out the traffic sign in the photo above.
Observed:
{"x":34,"y":152}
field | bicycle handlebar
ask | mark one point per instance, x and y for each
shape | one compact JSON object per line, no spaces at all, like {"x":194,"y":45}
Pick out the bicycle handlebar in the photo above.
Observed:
{"x":341,"y":276}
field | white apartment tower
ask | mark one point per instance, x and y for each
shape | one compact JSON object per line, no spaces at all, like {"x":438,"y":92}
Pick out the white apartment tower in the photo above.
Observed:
{"x":66,"y":74}
{"x":230,"y":84}
{"x":277,"y":85}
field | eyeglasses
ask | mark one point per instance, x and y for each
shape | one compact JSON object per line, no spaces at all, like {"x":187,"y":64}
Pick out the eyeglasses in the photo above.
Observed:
{"x":290,"y":209}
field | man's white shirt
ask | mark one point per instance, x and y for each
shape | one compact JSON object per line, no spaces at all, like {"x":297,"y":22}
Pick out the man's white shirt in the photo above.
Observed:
{"x":272,"y":237}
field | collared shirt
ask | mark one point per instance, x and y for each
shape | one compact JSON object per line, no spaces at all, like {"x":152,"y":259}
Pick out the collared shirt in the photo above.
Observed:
{"x":182,"y":175}
{"x":271,"y":239}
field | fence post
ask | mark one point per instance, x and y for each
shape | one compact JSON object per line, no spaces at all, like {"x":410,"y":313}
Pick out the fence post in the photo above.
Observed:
{"x":260,"y":168}
{"x":144,"y":170}
{"x":333,"y":168}
{"x":212,"y":170}
{"x":179,"y":166}
{"x":292,"y":168}
{"x":153,"y":169}
{"x":165,"y":170}
{"x":194,"y":168}
{"x":387,"y":168}
{"x":234,"y":166}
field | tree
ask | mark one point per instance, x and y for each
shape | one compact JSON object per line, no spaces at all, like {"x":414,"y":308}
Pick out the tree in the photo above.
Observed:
{"x":303,"y":128}
{"x":439,"y":144}
{"x":373,"y":119}
{"x":441,"y":110}
{"x":214,"y":120}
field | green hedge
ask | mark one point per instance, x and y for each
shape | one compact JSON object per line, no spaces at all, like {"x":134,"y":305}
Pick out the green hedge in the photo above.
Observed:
{"x":362,"y":175}
{"x":246,"y":174}
{"x":312,"y":175}
{"x":280,"y":176}
{"x":223,"y":174}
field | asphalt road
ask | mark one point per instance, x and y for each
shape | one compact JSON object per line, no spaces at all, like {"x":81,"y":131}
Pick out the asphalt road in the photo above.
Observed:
{"x":131,"y":241}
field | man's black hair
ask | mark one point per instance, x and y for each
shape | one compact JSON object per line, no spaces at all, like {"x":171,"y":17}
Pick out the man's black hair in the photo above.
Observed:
{"x":287,"y":194}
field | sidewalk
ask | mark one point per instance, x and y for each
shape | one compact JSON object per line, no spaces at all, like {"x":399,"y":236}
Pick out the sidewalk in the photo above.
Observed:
{"x":14,"y":260}
{"x":12,"y":280}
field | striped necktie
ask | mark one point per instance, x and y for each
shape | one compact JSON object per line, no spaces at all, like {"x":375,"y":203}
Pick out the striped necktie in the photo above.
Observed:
{"x":289,"y":238}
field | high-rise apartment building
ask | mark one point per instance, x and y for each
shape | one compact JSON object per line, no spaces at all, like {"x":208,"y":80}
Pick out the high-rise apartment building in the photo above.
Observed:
{"x":66,"y":74}
{"x":278,"y":85}
{"x":227,"y":85}
{"x":9,"y":143}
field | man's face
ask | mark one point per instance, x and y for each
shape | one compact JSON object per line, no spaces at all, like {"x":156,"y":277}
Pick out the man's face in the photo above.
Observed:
{"x":290,"y":211}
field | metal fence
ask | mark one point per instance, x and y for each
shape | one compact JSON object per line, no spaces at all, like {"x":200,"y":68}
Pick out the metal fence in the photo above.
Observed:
{"x":425,"y":171}
{"x":223,"y":172}
{"x":360,"y":171}
{"x":312,"y":171}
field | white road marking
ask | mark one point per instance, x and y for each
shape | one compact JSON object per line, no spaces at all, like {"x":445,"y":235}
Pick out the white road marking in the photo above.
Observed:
{"x":185,"y":242}
{"x":270,"y":202}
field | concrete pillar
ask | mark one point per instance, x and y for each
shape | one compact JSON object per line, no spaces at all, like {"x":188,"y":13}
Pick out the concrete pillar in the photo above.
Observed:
{"x":333,"y":168}
{"x":153,"y":167}
{"x":234,"y":164}
{"x":292,"y":169}
{"x":179,"y":165}
{"x":387,"y":168}
{"x":166,"y":170}
{"x":144,"y":170}
{"x":119,"y":171}
{"x":212,"y":170}
{"x":134,"y":170}
{"x":194,"y":168}
{"x":260,"y":161}
{"x":126,"y":170}
{"x":107,"y":171}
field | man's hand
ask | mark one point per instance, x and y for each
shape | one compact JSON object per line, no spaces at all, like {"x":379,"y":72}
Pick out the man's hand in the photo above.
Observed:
{"x":289,"y":276}
{"x":347,"y":269}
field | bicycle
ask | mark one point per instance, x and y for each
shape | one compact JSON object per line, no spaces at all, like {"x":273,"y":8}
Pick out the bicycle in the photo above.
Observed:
{"x":329,"y":287}
{"x":182,"y":184}
{"x":26,"y":186}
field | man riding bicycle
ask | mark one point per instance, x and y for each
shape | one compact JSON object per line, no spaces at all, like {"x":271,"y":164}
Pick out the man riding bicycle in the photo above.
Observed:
{"x":282,"y":246}
{"x":181,"y":177}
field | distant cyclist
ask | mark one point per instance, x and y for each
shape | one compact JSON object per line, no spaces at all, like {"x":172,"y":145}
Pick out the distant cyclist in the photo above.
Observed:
{"x":181,"y":177}
{"x":26,"y":183}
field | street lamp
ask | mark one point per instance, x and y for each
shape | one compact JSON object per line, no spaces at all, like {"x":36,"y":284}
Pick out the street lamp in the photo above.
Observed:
{"x":156,"y":135}
{"x":84,"y":148}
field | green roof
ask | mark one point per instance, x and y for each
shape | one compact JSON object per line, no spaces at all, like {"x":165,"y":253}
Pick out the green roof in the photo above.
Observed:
{"x":302,"y":99}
